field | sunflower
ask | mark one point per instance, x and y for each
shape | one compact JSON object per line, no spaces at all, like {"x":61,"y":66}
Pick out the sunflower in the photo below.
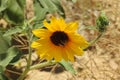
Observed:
{"x":59,"y":41}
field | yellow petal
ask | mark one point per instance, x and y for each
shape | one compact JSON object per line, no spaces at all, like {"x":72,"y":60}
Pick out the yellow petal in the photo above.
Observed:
{"x":40,"y":42}
{"x":72,"y":26}
{"x":57,"y":24}
{"x":76,"y":50}
{"x":47,"y":56}
{"x":56,"y":53}
{"x":70,"y":55}
{"x":41,"y":32}
{"x":35,"y":44}
{"x":78,"y":40}
{"x":61,"y":23}
{"x":44,"y":55}
{"x":48,"y":26}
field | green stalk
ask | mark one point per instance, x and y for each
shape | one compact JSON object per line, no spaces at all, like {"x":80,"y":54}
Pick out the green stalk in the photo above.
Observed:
{"x":48,"y":63}
{"x":29,"y":35}
{"x":28,"y":68}
{"x":95,"y":40}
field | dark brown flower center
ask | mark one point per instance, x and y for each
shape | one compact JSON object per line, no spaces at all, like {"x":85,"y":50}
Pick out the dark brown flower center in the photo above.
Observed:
{"x":59,"y":38}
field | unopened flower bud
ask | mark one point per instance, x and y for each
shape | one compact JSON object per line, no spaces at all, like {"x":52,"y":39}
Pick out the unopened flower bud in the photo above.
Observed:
{"x":102,"y":22}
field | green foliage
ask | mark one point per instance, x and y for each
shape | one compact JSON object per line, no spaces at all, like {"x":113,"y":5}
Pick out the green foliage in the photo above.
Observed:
{"x":13,"y":11}
{"x":74,"y":1}
{"x":3,"y":77}
{"x":13,"y":30}
{"x":67,"y":65}
{"x":4,"y":44}
{"x":6,"y":58}
{"x":3,"y":5}
{"x":43,"y":7}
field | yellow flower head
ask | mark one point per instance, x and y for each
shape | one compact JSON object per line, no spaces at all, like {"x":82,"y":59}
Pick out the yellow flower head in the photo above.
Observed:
{"x":59,"y":41}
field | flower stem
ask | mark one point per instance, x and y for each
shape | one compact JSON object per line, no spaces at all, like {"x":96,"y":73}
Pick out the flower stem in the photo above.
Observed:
{"x":42,"y":65}
{"x":23,"y":74}
{"x":29,"y":37}
{"x":94,"y":41}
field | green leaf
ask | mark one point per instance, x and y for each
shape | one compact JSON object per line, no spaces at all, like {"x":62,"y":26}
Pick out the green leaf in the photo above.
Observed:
{"x":74,"y":1}
{"x":59,"y":7}
{"x":6,"y":58}
{"x":3,"y":5}
{"x":39,"y":11}
{"x":1,"y":69}
{"x":4,"y":44}
{"x":21,"y":3}
{"x":2,"y":76}
{"x":13,"y":31}
{"x":67,"y":65}
{"x":37,"y":25}
{"x":42,"y":7}
{"x":49,"y":4}
{"x":16,"y":58}
{"x":52,"y":6}
{"x":15,"y":11}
